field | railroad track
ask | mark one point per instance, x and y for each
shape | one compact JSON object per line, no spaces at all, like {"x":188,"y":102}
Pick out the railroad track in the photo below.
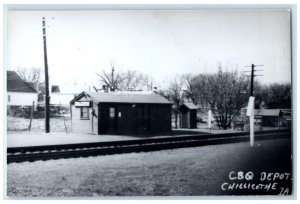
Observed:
{"x":34,"y":153}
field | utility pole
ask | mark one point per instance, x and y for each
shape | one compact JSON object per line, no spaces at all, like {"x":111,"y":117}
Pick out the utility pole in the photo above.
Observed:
{"x":252,"y":76}
{"x":251,"y":108}
{"x":47,"y":102}
{"x":252,"y":79}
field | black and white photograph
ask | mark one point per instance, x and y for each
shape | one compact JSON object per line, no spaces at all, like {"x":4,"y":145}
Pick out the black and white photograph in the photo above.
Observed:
{"x":149,"y":103}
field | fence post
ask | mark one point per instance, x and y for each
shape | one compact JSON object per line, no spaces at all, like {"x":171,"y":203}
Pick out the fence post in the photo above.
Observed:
{"x":63,"y":118}
{"x":31,"y":116}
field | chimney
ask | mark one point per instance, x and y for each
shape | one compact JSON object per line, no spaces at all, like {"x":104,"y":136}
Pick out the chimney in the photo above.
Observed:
{"x":104,"y":88}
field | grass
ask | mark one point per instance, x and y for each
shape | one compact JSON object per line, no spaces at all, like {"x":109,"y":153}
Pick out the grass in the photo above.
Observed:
{"x":181,"y":172}
{"x":38,"y":125}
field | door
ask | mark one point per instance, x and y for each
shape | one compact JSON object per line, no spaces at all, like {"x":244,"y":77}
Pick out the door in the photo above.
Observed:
{"x":111,"y":120}
{"x":142,"y":119}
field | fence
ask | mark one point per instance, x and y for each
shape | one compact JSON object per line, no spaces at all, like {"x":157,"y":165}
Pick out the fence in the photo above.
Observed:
{"x":22,"y":118}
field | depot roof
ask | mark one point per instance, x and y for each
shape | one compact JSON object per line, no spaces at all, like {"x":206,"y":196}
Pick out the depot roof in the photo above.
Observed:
{"x":124,"y":97}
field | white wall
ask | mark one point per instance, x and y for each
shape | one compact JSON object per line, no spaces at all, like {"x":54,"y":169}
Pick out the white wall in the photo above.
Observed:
{"x":21,"y":99}
{"x":59,"y":98}
{"x":84,"y":126}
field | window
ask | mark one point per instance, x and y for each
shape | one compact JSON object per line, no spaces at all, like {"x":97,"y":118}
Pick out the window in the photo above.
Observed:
{"x":84,"y":113}
{"x":8,"y":98}
{"x":111,"y":112}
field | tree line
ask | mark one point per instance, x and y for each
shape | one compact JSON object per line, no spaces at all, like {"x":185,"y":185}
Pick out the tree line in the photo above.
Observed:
{"x":225,"y":93}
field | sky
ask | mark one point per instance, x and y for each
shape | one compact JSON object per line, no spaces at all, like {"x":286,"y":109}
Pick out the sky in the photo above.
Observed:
{"x":158,"y":43}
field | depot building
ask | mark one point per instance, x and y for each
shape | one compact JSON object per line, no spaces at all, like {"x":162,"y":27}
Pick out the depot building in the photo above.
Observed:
{"x":125,"y":113}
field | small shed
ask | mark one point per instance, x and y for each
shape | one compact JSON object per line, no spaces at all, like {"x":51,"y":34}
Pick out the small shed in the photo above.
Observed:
{"x":188,"y":115}
{"x":121,"y":113}
{"x":268,"y":117}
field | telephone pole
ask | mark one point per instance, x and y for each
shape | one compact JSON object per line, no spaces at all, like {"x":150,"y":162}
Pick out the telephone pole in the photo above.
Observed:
{"x":47,"y":102}
{"x":252,"y":76}
{"x":252,"y":79}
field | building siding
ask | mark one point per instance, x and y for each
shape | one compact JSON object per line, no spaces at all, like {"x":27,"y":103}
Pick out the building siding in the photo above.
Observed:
{"x":188,"y":118}
{"x":84,"y":126}
{"x":21,"y":99}
{"x":193,"y":119}
{"x":126,"y":119}
{"x":160,"y":116}
{"x":136,"y":119}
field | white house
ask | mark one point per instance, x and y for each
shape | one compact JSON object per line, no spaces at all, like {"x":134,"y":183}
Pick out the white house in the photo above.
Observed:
{"x":61,"y":98}
{"x":19,"y":93}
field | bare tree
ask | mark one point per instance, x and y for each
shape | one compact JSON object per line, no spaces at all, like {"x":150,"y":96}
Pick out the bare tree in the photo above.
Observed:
{"x":193,"y":87}
{"x":133,"y":81}
{"x":148,"y":82}
{"x":111,"y":80}
{"x":196,"y":88}
{"x":125,"y":81}
{"x":275,"y":95}
{"x":225,"y":93}
{"x":175,"y":93}
{"x":30,"y":74}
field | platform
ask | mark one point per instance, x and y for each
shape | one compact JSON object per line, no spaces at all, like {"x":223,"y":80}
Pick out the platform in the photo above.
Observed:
{"x":21,"y":139}
{"x":24,"y":138}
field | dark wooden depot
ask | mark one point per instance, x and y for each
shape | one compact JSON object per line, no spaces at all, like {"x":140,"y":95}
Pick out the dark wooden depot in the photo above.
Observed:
{"x":124,"y":113}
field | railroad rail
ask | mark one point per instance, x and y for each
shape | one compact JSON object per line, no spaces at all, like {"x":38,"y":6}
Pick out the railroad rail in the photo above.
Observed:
{"x":48,"y":152}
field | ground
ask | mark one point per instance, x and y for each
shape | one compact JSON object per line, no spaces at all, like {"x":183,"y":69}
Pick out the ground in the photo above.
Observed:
{"x":22,"y":139}
{"x":181,"y":172}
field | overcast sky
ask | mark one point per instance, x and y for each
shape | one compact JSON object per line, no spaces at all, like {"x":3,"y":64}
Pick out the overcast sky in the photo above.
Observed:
{"x":158,"y":43}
